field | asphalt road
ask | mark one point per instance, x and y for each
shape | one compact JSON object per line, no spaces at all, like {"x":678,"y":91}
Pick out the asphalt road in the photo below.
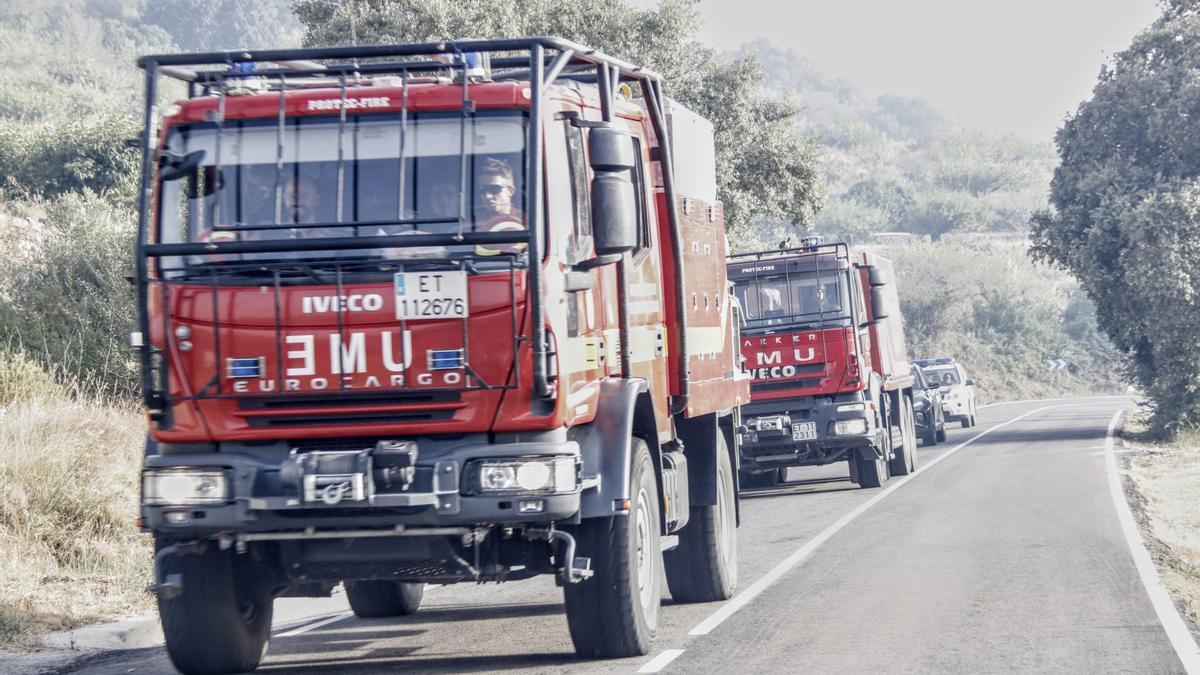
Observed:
{"x":1006,"y":556}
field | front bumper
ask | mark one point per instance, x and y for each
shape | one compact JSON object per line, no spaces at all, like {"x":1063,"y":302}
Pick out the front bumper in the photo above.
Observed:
{"x":778,"y":448}
{"x":437,"y":496}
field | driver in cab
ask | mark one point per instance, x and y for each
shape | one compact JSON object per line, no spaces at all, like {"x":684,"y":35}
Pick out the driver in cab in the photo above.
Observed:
{"x":494,"y":207}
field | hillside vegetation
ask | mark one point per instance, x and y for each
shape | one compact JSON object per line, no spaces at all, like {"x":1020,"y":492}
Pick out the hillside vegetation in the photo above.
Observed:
{"x":897,"y":164}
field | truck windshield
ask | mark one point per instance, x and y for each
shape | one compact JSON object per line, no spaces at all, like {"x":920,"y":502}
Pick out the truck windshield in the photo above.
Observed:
{"x":256,"y":182}
{"x":800,"y":298}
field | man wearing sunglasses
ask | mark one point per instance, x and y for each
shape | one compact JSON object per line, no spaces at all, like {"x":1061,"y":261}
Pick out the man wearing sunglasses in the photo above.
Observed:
{"x":494,"y":205}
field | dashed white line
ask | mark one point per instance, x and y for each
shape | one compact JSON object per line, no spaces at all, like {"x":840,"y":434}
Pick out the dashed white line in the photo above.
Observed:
{"x":745,"y":597}
{"x":1177,"y":631}
{"x":316,"y":624}
{"x":661,"y":661}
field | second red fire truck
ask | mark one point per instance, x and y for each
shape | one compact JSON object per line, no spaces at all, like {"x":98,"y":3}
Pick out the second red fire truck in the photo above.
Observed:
{"x":824,"y":345}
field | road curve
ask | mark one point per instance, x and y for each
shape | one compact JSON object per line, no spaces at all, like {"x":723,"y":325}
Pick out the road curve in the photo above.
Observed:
{"x":1005,"y":553}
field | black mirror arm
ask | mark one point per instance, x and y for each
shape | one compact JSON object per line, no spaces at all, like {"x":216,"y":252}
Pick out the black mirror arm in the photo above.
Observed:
{"x":598,"y":261}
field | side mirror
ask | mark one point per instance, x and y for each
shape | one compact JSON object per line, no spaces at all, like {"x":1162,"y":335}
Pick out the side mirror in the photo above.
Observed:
{"x":878,"y":303}
{"x":970,"y":382}
{"x":175,"y":166}
{"x":614,"y":204}
{"x":875,"y":277}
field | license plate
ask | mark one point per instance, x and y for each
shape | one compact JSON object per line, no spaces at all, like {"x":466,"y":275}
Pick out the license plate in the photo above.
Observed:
{"x":804,"y":431}
{"x":431,"y":295}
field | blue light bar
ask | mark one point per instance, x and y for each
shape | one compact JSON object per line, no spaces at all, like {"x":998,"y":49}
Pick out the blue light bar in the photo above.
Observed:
{"x":245,"y":367}
{"x":445,"y":359}
{"x":243,"y":67}
{"x":939,"y":361}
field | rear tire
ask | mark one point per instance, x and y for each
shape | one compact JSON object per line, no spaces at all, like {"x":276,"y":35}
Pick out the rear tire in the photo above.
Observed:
{"x":703,"y":568}
{"x":221,"y":622}
{"x":941,"y":433}
{"x":965,"y":421}
{"x":905,"y":460}
{"x":615,"y":613}
{"x":376,"y":599}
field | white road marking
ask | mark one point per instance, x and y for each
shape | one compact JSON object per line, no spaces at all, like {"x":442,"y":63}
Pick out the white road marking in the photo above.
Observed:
{"x":661,"y":661}
{"x":745,"y":597}
{"x":1177,"y":631}
{"x":316,"y":624}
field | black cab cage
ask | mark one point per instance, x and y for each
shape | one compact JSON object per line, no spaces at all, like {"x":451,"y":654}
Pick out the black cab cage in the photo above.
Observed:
{"x":539,"y":61}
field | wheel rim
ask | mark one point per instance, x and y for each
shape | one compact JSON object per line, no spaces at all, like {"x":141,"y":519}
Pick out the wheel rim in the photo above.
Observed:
{"x":645,"y":551}
{"x":725,"y":511}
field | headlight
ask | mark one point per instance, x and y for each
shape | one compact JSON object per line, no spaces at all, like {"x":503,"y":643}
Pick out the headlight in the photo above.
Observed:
{"x":846,"y":427}
{"x":852,"y":407}
{"x":551,"y":475}
{"x":177,"y":487}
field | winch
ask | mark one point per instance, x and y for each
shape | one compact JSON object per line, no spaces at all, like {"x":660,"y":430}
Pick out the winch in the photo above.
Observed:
{"x":331,"y":478}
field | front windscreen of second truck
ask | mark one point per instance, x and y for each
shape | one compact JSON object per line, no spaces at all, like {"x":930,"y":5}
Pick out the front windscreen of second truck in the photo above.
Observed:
{"x":797,"y":298}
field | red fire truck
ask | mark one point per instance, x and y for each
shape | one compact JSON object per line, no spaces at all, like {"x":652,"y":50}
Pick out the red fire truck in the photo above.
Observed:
{"x":431,"y":313}
{"x":823,"y":343}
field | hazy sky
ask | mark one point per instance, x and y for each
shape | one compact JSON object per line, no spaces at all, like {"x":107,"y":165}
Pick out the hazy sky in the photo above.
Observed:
{"x":1013,"y":65}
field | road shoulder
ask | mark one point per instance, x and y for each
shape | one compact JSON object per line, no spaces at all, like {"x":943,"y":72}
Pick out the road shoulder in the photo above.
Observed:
{"x":1160,"y":482}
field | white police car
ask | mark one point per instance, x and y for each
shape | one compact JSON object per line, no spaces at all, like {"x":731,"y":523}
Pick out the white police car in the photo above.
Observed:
{"x":958,"y":390}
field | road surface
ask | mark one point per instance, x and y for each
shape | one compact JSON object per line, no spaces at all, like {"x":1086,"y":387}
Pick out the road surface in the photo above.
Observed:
{"x":1004,"y":554}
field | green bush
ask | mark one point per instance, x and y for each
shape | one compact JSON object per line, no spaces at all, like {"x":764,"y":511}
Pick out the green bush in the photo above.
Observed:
{"x":48,"y":159}
{"x":67,"y":302}
{"x":23,"y":379}
{"x":986,"y":303}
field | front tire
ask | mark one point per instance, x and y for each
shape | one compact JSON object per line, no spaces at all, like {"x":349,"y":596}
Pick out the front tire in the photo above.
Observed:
{"x":221,"y":622}
{"x":615,"y":613}
{"x":375,"y":599}
{"x":872,"y":472}
{"x":929,"y":437}
{"x":703,"y":568}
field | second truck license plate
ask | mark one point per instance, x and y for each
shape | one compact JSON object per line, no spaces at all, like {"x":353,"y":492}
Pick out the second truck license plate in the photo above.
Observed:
{"x":804,"y":431}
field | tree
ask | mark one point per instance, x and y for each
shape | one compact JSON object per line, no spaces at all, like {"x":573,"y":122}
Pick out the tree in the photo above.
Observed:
{"x":1125,"y":215}
{"x":224,"y":24}
{"x":764,"y":170}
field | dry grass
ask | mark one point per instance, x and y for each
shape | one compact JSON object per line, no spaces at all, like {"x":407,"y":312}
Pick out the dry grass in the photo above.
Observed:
{"x":69,"y":552}
{"x":1166,"y":478}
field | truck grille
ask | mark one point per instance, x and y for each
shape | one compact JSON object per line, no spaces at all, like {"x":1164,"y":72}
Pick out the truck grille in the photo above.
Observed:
{"x":355,"y":418}
{"x":786,"y":384}
{"x":343,"y":399}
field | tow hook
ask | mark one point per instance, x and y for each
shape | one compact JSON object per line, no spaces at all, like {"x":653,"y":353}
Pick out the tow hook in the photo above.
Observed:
{"x":171,"y":585}
{"x":573,"y":569}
